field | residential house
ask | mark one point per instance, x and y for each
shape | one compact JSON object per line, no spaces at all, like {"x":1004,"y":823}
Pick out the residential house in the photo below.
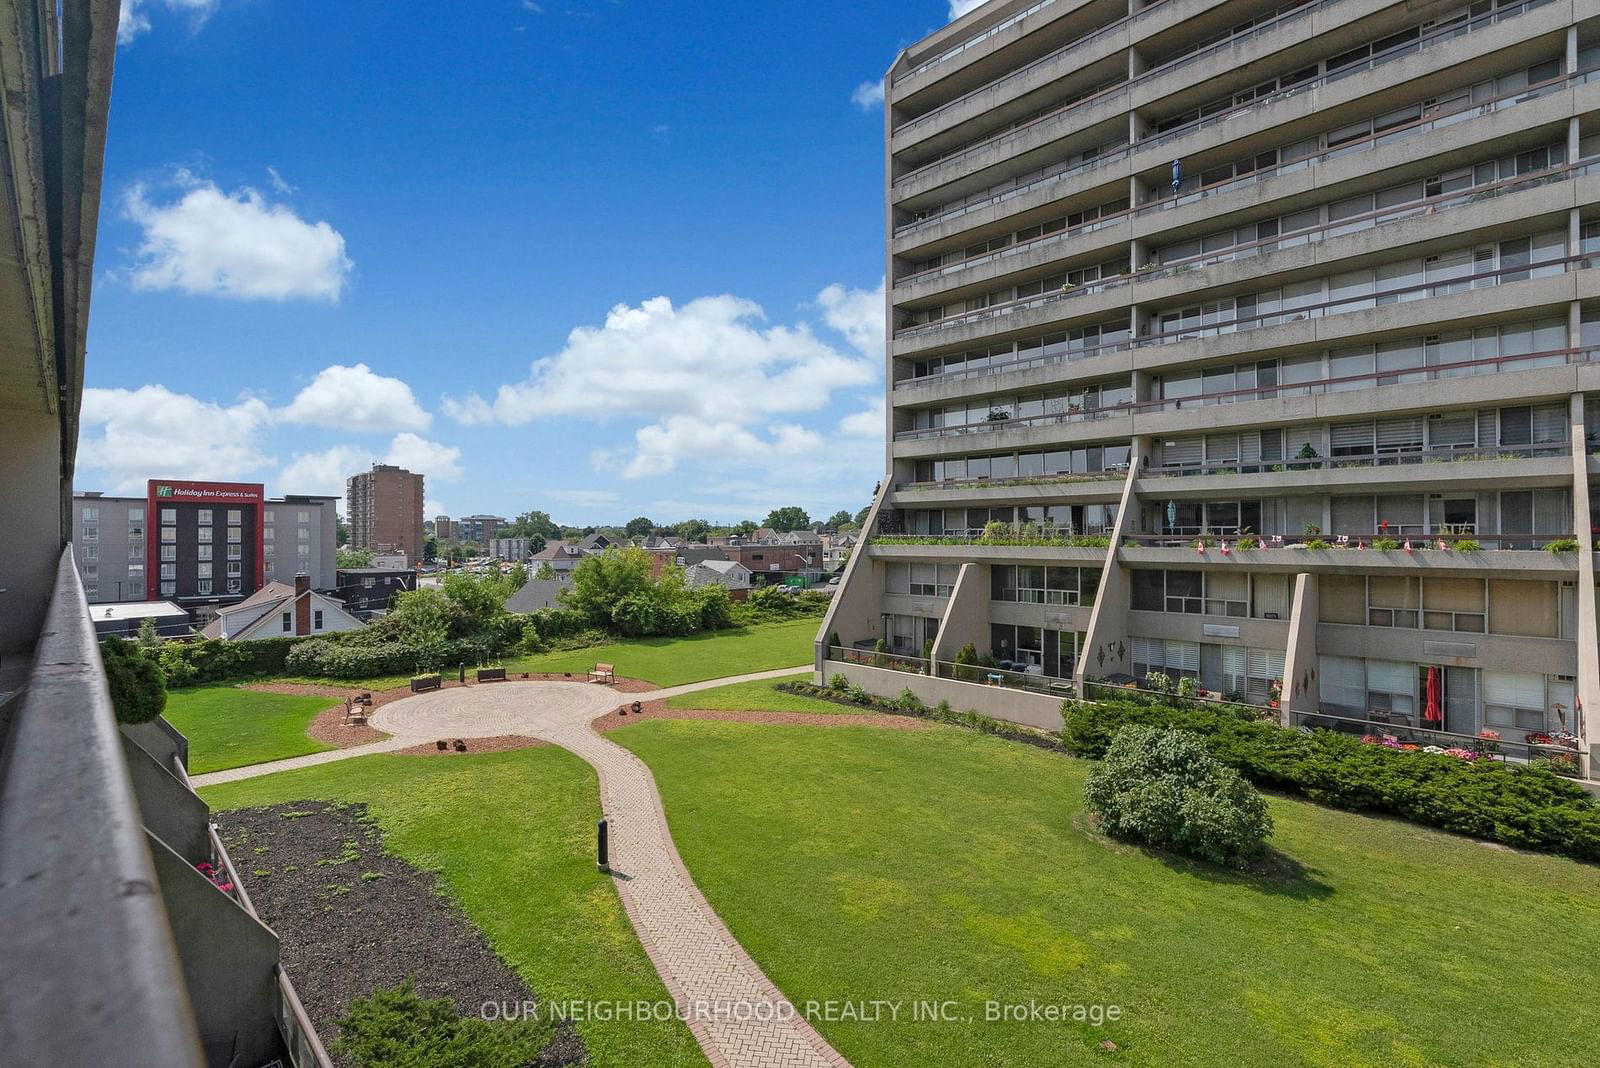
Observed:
{"x":278,"y":610}
{"x":730,"y":574}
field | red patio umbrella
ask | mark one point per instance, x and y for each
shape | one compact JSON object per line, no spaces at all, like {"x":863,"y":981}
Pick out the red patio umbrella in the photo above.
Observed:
{"x":1430,"y":711}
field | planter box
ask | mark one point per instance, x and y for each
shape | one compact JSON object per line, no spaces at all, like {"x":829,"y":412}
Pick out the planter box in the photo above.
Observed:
{"x":492,"y":674}
{"x":425,"y":682}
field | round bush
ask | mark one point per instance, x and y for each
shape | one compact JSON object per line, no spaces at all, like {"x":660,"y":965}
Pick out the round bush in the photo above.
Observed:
{"x":1165,"y":789}
{"x":138,"y":691}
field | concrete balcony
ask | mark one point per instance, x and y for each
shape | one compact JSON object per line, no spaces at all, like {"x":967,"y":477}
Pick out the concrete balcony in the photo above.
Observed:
{"x":1478,"y":134}
{"x":1313,"y":30}
{"x":1354,"y":93}
{"x":1106,"y":425}
{"x":1178,"y":626}
{"x":1504,"y":652}
{"x":1490,"y":563}
{"x":1031,"y":491}
{"x":1313,"y":477}
{"x":929,"y":128}
{"x":977,"y":550}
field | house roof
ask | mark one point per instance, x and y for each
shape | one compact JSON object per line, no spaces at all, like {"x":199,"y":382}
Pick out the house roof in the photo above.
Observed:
{"x":134,"y":610}
{"x":721,"y":566}
{"x":536,"y":594}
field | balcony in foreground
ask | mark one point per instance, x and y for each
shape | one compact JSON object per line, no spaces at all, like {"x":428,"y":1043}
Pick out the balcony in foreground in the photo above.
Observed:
{"x":128,"y":937}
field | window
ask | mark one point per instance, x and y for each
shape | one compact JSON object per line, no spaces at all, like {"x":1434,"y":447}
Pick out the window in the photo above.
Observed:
{"x":203,"y":587}
{"x":303,"y":517}
{"x":91,"y":533}
{"x":266,"y":533}
{"x":288,"y":622}
{"x":267,"y":551}
{"x":169,"y":535}
{"x":303,"y":534}
{"x":367,"y":582}
{"x":168,"y":589}
{"x":169,"y":517}
{"x":203,"y":552}
{"x":235,"y":516}
{"x":234,"y":568}
{"x":136,"y":515}
{"x":136,"y":571}
{"x":169,"y":571}
{"x":235,"y":552}
{"x":169,"y":552}
{"x":234,"y":585}
{"x":91,"y":552}
{"x":203,"y":534}
{"x":91,"y":515}
{"x":1514,"y":700}
{"x":305,"y":550}
{"x":316,"y":620}
{"x":135,"y":531}
{"x":235,"y":535}
{"x":203,"y":570}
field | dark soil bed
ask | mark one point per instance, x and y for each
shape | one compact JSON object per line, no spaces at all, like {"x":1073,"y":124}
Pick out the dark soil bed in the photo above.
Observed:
{"x":353,"y":918}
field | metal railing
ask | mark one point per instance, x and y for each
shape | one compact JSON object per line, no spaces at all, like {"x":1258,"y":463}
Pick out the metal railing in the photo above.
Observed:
{"x":975,"y":40}
{"x":1106,"y":92}
{"x":1032,"y":180}
{"x":1445,"y":539}
{"x":1375,"y":458}
{"x":1017,"y":480}
{"x":985,"y":426}
{"x":1008,"y":677}
{"x":1398,"y":730}
{"x":1045,"y":537}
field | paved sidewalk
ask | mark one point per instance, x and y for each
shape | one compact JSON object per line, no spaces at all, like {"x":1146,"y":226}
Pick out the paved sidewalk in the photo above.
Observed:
{"x":739,"y":1018}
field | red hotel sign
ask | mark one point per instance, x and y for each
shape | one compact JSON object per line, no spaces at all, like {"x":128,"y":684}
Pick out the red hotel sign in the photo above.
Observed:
{"x":167,"y":491}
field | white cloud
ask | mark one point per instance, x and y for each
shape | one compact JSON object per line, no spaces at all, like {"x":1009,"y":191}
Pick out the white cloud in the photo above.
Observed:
{"x":233,"y":245}
{"x":325,"y":471}
{"x":432,"y":506}
{"x":133,"y":20}
{"x":151,"y":432}
{"x":867,"y":95}
{"x":710,"y":376}
{"x":867,"y":423}
{"x":356,"y":398}
{"x":280,"y":184}
{"x":429,"y":458}
{"x":961,"y":7}
{"x":858,"y":314}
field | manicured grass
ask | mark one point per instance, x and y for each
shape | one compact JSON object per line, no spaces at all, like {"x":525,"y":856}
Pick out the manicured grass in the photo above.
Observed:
{"x":762,"y":696}
{"x":672,"y":661}
{"x":862,"y":864}
{"x":229,"y":727}
{"x":512,"y":836}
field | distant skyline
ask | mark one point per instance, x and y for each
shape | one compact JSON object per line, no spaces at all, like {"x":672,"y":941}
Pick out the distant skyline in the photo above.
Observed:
{"x":600,"y":258}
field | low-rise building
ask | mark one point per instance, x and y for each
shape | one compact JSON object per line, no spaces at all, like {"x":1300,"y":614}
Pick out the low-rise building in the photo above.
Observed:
{"x":730,"y":574}
{"x":478,"y":529}
{"x":514,"y":549}
{"x":126,"y":619}
{"x":368,"y":591}
{"x":278,"y":610}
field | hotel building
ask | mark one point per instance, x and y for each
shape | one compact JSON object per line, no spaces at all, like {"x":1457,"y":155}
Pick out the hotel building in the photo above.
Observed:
{"x":1247,"y":342}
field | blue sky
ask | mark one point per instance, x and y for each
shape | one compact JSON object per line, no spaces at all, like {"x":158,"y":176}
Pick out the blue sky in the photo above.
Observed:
{"x":598,"y":257}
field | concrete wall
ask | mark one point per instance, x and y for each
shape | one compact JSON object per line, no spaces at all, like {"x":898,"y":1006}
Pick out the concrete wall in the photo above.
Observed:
{"x":29,"y":481}
{"x":998,"y":702}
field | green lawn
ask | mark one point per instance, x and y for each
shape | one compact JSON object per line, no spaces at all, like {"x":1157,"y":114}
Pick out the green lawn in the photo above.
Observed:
{"x":763,"y":696}
{"x":673,"y":661}
{"x":512,"y":835}
{"x":229,"y":727}
{"x":947,"y":865}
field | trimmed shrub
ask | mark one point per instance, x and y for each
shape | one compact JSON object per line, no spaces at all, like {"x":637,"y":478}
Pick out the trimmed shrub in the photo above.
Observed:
{"x":138,"y":690}
{"x":187,"y":663}
{"x":1523,"y":806}
{"x":332,"y":659}
{"x":395,"y":1028}
{"x":1164,"y":788}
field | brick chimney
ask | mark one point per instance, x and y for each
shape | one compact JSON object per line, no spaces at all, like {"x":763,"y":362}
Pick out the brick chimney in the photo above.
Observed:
{"x":302,"y":604}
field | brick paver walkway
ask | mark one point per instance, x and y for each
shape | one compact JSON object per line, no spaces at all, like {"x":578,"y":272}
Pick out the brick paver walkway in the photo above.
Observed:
{"x":740,"y":1019}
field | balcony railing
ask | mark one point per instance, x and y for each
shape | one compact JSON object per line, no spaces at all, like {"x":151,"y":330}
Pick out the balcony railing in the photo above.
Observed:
{"x":1044,"y":537}
{"x":1423,"y":538}
{"x":117,"y":948}
{"x":1377,"y":458}
{"x":988,"y":426}
{"x":975,"y":40}
{"x":1007,"y":676}
{"x":1123,"y":87}
{"x":1017,"y":480}
{"x":1028,"y":182}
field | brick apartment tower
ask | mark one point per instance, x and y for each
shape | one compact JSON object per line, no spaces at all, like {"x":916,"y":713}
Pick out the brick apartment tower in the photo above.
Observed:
{"x":386,"y":511}
{"x":1166,"y":278}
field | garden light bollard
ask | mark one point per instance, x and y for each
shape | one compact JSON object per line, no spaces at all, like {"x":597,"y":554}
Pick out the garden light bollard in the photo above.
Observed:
{"x":463,"y":673}
{"x":602,"y":858}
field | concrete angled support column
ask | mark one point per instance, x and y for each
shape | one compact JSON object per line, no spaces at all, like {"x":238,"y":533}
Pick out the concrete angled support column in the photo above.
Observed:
{"x":857,"y":609}
{"x":1105,"y":643}
{"x":1588,"y":718}
{"x":966,"y":617}
{"x":1300,"y":687}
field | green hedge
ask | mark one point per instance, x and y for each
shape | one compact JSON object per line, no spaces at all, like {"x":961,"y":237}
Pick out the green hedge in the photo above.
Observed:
{"x":1521,"y":806}
{"x":214,"y":660}
{"x":135,"y":682}
{"x":333,"y":659}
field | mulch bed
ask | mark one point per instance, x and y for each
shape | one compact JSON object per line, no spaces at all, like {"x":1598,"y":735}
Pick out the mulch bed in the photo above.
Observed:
{"x":353,"y":918}
{"x":659,"y":710}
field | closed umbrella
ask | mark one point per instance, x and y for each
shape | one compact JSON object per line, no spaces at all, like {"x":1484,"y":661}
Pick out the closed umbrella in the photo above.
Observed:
{"x":1430,"y":711}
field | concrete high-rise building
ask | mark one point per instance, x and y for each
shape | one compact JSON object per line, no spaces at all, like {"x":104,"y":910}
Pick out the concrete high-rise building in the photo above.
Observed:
{"x":1246,"y":343}
{"x":386,"y":511}
{"x":479,"y":529}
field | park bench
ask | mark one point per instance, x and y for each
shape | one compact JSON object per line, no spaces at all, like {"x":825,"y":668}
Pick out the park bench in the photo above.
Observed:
{"x":355,"y":711}
{"x":602,"y":673}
